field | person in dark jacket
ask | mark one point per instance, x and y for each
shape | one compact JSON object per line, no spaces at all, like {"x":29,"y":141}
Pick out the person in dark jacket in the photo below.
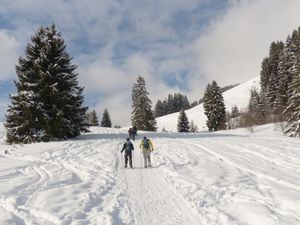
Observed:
{"x":128,"y":148}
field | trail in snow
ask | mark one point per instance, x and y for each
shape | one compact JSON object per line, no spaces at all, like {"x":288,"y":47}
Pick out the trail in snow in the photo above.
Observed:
{"x":208,"y":179}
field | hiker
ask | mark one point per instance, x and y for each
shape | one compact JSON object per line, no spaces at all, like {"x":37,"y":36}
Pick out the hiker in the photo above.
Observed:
{"x":134,"y":132}
{"x":129,"y":133}
{"x":128,"y":147}
{"x":147,"y":147}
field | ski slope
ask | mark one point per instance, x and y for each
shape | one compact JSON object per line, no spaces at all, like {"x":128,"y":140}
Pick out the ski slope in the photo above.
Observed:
{"x":222,"y":178}
{"x":238,"y":96}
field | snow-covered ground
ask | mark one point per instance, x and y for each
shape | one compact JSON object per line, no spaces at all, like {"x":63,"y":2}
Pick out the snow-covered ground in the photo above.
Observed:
{"x":224,"y":178}
{"x":238,"y":96}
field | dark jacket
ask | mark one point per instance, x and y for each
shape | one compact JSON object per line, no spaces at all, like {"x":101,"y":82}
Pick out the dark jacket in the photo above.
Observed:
{"x":131,"y":148}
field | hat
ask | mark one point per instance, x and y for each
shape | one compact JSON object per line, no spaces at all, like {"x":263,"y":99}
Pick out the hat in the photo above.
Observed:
{"x":145,"y":137}
{"x":127,"y":139}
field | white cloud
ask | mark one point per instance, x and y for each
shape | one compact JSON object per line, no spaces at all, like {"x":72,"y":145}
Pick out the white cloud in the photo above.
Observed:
{"x":233,"y":46}
{"x":9,"y":48}
{"x":229,"y":50}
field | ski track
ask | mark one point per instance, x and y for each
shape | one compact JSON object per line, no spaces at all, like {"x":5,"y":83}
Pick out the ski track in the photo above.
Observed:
{"x":197,"y":179}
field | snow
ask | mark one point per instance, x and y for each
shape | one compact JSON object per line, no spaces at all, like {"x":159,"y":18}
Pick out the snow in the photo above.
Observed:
{"x":238,"y":96}
{"x":226,"y":177}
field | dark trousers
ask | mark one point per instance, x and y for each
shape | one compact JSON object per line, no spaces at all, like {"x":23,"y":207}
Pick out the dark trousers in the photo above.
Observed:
{"x":128,"y":155}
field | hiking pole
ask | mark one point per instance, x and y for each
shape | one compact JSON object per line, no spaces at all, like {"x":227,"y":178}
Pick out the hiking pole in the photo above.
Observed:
{"x":121,"y":160}
{"x":133,"y":162}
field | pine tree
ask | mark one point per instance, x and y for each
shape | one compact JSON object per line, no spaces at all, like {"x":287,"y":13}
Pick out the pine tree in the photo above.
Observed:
{"x":159,"y":109}
{"x":292,"y":112}
{"x":270,"y":76}
{"x":194,"y":128}
{"x":193,"y":104}
{"x":142,"y":114}
{"x":234,"y":112}
{"x":48,"y":103}
{"x":105,"y":122}
{"x":255,"y":107}
{"x":94,"y":118}
{"x":183,"y":122}
{"x":214,"y":107}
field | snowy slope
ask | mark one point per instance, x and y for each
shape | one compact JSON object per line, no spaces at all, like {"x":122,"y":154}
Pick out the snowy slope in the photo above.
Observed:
{"x":221,"y":178}
{"x":238,"y":96}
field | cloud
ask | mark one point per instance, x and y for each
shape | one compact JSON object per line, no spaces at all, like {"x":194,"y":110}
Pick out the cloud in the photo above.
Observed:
{"x":233,"y":46}
{"x":9,"y":48}
{"x":175,"y":45}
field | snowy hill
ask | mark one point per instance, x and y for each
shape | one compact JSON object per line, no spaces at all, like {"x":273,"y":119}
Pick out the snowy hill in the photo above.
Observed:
{"x":221,"y":178}
{"x":238,"y":96}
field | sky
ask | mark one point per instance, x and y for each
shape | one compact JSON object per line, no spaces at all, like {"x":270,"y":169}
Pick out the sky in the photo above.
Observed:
{"x":177,"y":46}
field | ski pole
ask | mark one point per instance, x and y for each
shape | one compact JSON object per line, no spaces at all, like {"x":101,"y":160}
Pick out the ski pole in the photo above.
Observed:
{"x":121,"y":160}
{"x":133,"y":162}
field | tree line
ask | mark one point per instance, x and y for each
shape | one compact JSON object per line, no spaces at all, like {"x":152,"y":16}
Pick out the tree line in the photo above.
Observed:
{"x":279,"y":97}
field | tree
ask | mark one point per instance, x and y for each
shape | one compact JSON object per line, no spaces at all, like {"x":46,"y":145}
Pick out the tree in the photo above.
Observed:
{"x":142,"y":114}
{"x":234,"y":112}
{"x":105,"y":122}
{"x":270,"y":77}
{"x":183,"y":122}
{"x":193,"y":104}
{"x":194,"y":128}
{"x":159,"y":109}
{"x":94,"y":118}
{"x":255,"y":108}
{"x":48,"y":103}
{"x":214,"y":107}
{"x":292,"y":112}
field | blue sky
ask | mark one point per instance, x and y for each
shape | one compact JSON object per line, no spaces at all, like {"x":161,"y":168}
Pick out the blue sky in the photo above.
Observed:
{"x":175,"y":45}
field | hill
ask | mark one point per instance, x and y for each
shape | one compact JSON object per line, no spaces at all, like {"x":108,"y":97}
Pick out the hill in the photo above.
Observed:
{"x":226,"y":177}
{"x":238,"y":96}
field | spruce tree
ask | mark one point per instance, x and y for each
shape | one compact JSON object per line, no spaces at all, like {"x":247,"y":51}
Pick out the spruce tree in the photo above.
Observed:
{"x":159,"y":109}
{"x":255,"y":108}
{"x":270,"y":78}
{"x":234,"y":112}
{"x":183,"y":122}
{"x":194,"y":128}
{"x":142,"y":114}
{"x":292,"y":112}
{"x":214,"y":107}
{"x":105,"y":122}
{"x":48,"y":103}
{"x":94,"y":118}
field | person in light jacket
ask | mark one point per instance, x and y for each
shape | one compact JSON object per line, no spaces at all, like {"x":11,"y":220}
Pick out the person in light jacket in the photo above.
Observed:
{"x":147,"y":147}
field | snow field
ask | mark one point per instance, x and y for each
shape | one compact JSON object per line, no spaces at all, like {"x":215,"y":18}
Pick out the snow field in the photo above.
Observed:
{"x":222,"y":178}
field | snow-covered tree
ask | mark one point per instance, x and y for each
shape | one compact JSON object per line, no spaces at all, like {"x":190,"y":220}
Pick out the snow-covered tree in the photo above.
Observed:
{"x":270,"y":76}
{"x":214,"y":107}
{"x":255,"y":107}
{"x":142,"y":114}
{"x":48,"y":103}
{"x":159,"y":109}
{"x":94,"y":118}
{"x":234,"y":112}
{"x":194,"y":128}
{"x":292,"y":112}
{"x":105,"y":122}
{"x":183,"y":122}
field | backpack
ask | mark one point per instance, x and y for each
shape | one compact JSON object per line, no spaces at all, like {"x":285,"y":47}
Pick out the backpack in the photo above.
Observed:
{"x":128,"y":147}
{"x":146,"y":144}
